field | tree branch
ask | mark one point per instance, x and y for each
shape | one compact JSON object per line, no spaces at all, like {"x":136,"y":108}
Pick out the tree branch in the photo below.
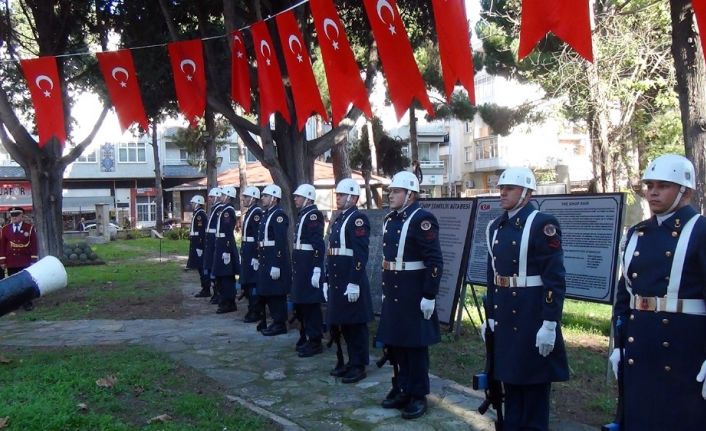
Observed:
{"x":78,"y":149}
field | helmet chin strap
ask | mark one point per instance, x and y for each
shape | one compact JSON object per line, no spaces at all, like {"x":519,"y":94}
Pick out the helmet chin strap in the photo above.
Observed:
{"x":682,"y":189}
{"x":522,"y":199}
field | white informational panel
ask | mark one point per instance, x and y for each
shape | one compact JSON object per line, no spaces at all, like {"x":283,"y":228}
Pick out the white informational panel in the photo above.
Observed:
{"x":590,"y":225}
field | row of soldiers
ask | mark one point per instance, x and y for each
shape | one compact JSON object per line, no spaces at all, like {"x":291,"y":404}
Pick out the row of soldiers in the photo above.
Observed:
{"x":334,"y":274}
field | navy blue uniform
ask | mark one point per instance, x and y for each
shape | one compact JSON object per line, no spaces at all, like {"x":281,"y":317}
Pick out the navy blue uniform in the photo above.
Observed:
{"x":225,"y":269}
{"x":664,"y":348}
{"x":520,"y":307}
{"x":197,"y":238}
{"x":273,"y":251}
{"x":210,"y":241}
{"x":406,"y":279}
{"x":347,"y":256}
{"x":248,"y":252}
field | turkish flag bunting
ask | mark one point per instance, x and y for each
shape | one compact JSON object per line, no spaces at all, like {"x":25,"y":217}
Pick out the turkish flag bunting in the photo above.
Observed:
{"x":342,"y":73}
{"x":570,"y":20}
{"x":240,"y":72}
{"x":403,"y":78}
{"x":189,"y":78}
{"x":454,"y":45}
{"x":119,"y":75}
{"x":42,"y":78}
{"x":307,"y":99}
{"x":269,"y":75}
{"x":700,"y":13}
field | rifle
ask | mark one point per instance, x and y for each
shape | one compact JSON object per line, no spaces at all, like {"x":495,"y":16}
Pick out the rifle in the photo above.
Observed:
{"x":335,"y":337}
{"x":298,"y":315}
{"x":387,"y":357}
{"x":486,"y":381}
{"x":617,"y":424}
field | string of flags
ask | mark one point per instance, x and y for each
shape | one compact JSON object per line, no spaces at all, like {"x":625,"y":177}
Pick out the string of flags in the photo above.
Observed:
{"x":345,"y":84}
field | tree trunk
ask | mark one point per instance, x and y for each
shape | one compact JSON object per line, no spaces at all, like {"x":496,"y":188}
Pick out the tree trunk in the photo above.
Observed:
{"x":339,"y":159}
{"x":46,"y":180}
{"x":373,"y":150}
{"x":158,"y":197}
{"x":598,"y":131}
{"x":210,"y":150}
{"x":413,"y":134}
{"x":691,"y":83}
{"x":368,"y":192}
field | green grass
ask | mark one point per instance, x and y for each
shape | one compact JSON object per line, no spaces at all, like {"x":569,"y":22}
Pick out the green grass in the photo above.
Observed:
{"x":41,"y":390}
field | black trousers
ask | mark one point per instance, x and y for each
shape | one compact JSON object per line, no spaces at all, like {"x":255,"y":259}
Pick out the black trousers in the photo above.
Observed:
{"x":277,"y":304}
{"x":313,"y":320}
{"x":413,"y":363}
{"x":226,"y":289}
{"x":357,"y":342}
{"x":253,"y":300}
{"x":527,"y":407}
{"x":204,"y":279}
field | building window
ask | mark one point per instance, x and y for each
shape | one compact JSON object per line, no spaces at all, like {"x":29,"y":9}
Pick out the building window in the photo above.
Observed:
{"x":468,"y":151}
{"x":468,"y":127}
{"x":183,"y":155}
{"x":423,"y":150}
{"x":87,"y":157}
{"x":233,"y":153}
{"x":146,"y":209}
{"x":131,"y":152}
{"x":484,"y":88}
{"x":486,"y":148}
{"x":249,"y":156}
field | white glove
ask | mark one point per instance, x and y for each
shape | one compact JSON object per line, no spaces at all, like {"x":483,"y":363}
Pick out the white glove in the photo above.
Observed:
{"x":353,"y":292}
{"x":326,"y":292}
{"x":489,"y":323}
{"x":383,"y":298}
{"x":226,"y":258}
{"x":315,"y":278}
{"x":701,"y":377}
{"x":274,"y":273}
{"x":199,"y":252}
{"x":255,"y":264}
{"x":614,"y":359}
{"x":427,"y":307}
{"x":546,"y":336}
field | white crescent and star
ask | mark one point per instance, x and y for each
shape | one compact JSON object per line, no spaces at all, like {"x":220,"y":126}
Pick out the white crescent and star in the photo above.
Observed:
{"x":44,"y":78}
{"x":328,"y":22}
{"x":384,"y":4}
{"x":118,"y":70}
{"x":263,"y":45}
{"x":294,"y":39}
{"x":237,"y":38}
{"x":190,"y":62}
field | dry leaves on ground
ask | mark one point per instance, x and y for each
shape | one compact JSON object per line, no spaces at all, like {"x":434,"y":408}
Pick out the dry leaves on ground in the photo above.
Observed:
{"x":160,"y":418}
{"x":4,"y":360}
{"x":4,"y":421}
{"x":107,"y":381}
{"x":82,"y":406}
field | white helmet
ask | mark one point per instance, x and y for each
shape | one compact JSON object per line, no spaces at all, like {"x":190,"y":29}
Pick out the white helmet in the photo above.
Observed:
{"x":405,"y":180}
{"x":306,"y":191}
{"x":273,"y":190}
{"x":215,"y":192}
{"x":252,"y":192}
{"x":348,"y":186}
{"x":230,"y":191}
{"x":197,"y":200}
{"x":522,"y":177}
{"x":673,"y":168}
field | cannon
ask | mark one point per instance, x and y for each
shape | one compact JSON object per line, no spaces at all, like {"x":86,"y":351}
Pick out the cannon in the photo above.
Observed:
{"x":45,"y":276}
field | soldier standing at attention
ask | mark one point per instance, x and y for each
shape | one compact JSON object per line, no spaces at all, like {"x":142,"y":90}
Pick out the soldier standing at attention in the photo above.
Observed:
{"x":526,"y":289}
{"x":18,"y":246}
{"x":214,"y":196}
{"x":307,"y":262}
{"x":274,"y":276}
{"x":660,"y":309}
{"x":226,"y":260}
{"x":347,"y":289}
{"x":412,"y":266}
{"x":197,"y":238}
{"x":248,"y":252}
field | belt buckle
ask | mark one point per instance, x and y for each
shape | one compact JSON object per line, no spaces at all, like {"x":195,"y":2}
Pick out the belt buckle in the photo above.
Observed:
{"x":502,"y":281}
{"x":648,"y":303}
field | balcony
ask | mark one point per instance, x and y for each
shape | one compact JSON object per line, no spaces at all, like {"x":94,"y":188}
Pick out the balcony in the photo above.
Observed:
{"x":433,"y":172}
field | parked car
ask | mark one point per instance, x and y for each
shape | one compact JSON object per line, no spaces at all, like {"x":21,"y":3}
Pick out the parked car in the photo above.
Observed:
{"x":112,"y":229}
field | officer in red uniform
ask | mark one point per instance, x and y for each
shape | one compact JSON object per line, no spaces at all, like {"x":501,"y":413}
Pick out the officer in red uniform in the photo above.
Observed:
{"x":18,"y":246}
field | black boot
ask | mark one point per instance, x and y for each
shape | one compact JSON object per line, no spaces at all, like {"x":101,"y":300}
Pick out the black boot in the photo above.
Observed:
{"x":226,"y":307}
{"x":204,"y":293}
{"x":301,"y":342}
{"x":417,"y":407}
{"x":311,"y":348}
{"x":354,"y":374}
{"x":395,"y":399}
{"x":275,"y":329}
{"x":252,"y":316}
{"x":261,"y":326}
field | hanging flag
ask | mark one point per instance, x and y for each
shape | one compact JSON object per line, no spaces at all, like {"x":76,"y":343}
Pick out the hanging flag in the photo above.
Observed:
{"x":42,"y":78}
{"x":454,"y":45}
{"x":119,"y":75}
{"x":570,"y":20}
{"x":342,"y":73}
{"x":699,"y":7}
{"x":240,"y":72}
{"x":189,"y":78}
{"x":269,"y":75}
{"x":307,"y":99}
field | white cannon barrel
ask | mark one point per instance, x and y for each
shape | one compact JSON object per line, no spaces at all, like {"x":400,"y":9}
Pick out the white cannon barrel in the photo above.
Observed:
{"x":45,"y":276}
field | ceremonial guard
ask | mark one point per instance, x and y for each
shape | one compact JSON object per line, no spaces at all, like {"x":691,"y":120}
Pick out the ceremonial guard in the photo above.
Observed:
{"x":214,"y":196}
{"x":274,"y":275}
{"x":307,"y":264}
{"x":347,"y":289}
{"x":660,"y":310}
{"x":412,"y":266}
{"x":526,"y":286}
{"x":248,"y":252}
{"x":18,"y":246}
{"x":226,"y":260}
{"x":197,"y":238}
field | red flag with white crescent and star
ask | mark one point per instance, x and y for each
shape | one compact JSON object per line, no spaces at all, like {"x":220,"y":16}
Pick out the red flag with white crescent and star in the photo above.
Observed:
{"x":403,"y":78}
{"x":42,"y":77}
{"x":307,"y":99}
{"x":120,"y":77}
{"x":189,"y":78}
{"x":269,"y":75}
{"x":239,"y":72}
{"x":454,"y":46}
{"x":345,"y":84}
{"x":699,"y":7}
{"x":570,"y":20}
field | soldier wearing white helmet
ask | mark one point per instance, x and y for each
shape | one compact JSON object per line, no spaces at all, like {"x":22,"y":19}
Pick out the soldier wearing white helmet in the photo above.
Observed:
{"x":660,"y":308}
{"x":214,"y":196}
{"x":226,"y":260}
{"x":408,"y":322}
{"x":274,"y":267}
{"x":248,"y":253}
{"x":346,"y":286}
{"x":197,"y":234}
{"x":526,"y":287}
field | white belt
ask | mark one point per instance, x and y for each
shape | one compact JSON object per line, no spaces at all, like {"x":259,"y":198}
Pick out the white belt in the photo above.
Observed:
{"x":220,"y":235}
{"x":340,"y":252}
{"x":416,"y":265}
{"x":248,"y":239}
{"x":267,"y":243}
{"x":670,"y":305}
{"x":193,"y":234}
{"x":211,"y":230}
{"x":307,"y":247}
{"x":515,"y":281}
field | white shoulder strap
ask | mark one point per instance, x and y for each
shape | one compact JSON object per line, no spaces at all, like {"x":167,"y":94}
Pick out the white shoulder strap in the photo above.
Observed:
{"x":403,"y":237}
{"x":524,"y":245}
{"x":679,"y":257}
{"x":302,"y":219}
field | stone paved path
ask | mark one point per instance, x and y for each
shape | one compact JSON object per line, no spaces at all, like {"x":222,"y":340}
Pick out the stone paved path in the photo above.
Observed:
{"x":264,"y":373}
